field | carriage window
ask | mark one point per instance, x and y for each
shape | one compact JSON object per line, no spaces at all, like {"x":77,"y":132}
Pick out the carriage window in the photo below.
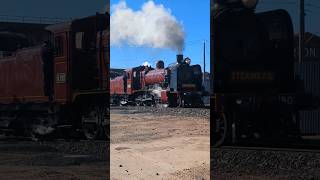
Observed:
{"x":129,"y":76}
{"x":79,"y":40}
{"x":134,"y":74}
{"x":58,"y":45}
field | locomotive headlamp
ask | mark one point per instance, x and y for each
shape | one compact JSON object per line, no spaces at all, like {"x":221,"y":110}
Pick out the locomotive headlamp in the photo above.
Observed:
{"x":250,"y":4}
{"x":187,"y":60}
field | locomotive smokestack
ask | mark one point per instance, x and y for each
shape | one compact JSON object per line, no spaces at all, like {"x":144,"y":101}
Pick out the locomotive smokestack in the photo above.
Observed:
{"x":160,"y":64}
{"x":179,"y":58}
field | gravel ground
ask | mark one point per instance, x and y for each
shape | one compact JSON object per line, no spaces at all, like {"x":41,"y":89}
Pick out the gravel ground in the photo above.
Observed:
{"x":53,"y":160}
{"x":264,"y":164}
{"x":164,"y":111}
{"x":98,"y":148}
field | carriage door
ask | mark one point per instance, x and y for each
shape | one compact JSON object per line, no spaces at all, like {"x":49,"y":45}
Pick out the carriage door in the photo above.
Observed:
{"x":60,"y":67}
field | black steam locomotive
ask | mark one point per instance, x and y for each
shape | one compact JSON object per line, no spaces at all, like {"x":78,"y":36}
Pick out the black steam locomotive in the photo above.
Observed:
{"x":254,"y":88}
{"x":180,"y":84}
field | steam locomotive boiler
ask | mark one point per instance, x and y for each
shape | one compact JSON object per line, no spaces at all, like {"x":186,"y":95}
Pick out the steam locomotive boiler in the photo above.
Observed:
{"x":254,"y":94}
{"x":180,"y":84}
{"x":60,"y":86}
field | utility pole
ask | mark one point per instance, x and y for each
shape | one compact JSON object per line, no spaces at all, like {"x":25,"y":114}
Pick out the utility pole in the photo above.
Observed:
{"x":204,"y":60}
{"x":302,"y":30}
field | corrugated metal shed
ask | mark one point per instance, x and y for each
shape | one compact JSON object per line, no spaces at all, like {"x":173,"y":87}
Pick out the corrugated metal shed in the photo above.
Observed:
{"x":309,"y":72}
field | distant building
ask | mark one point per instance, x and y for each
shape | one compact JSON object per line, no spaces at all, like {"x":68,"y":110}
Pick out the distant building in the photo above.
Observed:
{"x":312,"y":47}
{"x":116,"y":72}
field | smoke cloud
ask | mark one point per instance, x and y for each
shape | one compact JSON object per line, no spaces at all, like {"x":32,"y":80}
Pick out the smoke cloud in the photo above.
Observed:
{"x":152,"y":26}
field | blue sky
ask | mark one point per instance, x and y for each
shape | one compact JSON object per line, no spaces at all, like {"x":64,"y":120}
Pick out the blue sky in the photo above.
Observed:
{"x":292,"y":6}
{"x":195,"y":17}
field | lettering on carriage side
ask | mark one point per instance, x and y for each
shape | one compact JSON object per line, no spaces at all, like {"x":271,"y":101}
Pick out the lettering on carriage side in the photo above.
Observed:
{"x":309,"y":52}
{"x":61,"y":78}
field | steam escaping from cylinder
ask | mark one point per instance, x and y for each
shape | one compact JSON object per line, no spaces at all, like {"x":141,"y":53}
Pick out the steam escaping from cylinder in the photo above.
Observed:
{"x":156,"y":91}
{"x":152,"y":26}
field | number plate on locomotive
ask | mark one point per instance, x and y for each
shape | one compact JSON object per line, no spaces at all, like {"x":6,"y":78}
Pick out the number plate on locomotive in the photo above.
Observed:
{"x":60,"y":78}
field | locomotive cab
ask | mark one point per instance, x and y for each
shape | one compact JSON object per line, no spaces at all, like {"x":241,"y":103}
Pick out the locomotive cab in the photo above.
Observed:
{"x":81,"y":65}
{"x":253,"y":74}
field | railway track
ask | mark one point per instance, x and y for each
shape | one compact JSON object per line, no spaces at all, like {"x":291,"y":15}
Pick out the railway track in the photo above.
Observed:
{"x":306,"y":145}
{"x":23,"y":138}
{"x":280,"y":149}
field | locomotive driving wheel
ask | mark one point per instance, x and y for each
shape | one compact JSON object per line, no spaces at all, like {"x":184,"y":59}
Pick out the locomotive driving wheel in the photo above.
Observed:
{"x":220,"y":130}
{"x":92,"y":123}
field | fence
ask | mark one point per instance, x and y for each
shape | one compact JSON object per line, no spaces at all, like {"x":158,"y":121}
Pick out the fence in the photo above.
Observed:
{"x":30,"y":19}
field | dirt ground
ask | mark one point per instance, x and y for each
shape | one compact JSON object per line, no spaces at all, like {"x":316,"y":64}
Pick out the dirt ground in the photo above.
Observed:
{"x":158,"y":146}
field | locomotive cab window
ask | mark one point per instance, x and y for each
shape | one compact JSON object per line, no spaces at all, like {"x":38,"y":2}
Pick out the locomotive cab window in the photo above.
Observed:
{"x":79,"y":40}
{"x":58,"y":45}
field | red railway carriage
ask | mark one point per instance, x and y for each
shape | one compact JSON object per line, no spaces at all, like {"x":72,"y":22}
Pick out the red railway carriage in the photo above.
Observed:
{"x":62,"y":84}
{"x":177,"y":85}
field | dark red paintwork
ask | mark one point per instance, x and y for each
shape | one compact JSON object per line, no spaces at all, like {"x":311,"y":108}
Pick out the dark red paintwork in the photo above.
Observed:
{"x":116,"y":86}
{"x":147,"y":77}
{"x":21,"y":77}
{"x":154,"y":77}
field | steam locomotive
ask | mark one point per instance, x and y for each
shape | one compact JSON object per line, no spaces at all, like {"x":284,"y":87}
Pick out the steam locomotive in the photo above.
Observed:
{"x":59,"y":86}
{"x":180,"y":84}
{"x":254,"y":89}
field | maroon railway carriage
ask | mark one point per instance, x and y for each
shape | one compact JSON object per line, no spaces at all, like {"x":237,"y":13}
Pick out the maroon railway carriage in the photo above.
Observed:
{"x":177,"y":85}
{"x":61,"y":84}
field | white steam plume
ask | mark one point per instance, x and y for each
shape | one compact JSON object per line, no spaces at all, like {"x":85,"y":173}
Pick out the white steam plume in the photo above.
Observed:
{"x":146,"y":64}
{"x":153,"y":26}
{"x":157,"y":91}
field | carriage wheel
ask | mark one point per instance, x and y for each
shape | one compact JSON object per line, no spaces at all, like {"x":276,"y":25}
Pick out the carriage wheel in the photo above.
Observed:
{"x":220,"y":130}
{"x":92,"y":123}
